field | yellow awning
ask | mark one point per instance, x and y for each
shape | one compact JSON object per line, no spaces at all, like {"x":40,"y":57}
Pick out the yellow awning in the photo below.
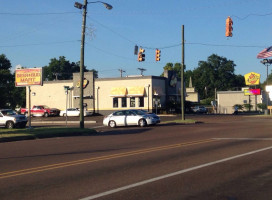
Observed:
{"x":135,"y":91}
{"x":118,"y":92}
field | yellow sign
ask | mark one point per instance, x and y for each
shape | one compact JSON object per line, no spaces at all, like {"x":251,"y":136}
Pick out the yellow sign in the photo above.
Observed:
{"x":252,"y":78}
{"x":28,"y":77}
{"x":85,"y":83}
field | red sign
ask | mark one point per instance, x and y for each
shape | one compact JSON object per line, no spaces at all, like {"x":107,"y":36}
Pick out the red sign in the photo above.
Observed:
{"x":255,"y":91}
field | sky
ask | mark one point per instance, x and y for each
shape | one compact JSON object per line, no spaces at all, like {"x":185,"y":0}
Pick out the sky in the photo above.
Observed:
{"x":35,"y":31}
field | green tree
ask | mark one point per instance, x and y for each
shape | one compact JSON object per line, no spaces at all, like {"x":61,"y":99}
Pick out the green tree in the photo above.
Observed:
{"x":62,"y":69}
{"x":10,"y":96}
{"x":5,"y":81}
{"x":175,"y":67}
{"x":215,"y":73}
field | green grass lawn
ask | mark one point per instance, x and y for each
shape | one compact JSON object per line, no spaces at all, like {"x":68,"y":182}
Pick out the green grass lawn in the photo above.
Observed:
{"x":9,"y":134}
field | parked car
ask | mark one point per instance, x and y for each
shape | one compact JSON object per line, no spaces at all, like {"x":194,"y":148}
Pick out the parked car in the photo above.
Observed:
{"x":130,"y":118}
{"x":10,"y":119}
{"x":200,"y":109}
{"x":41,"y":110}
{"x":74,"y":112}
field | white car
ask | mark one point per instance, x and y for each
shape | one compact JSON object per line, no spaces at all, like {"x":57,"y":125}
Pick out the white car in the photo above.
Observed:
{"x":10,"y":119}
{"x":130,"y":118}
{"x":74,"y":112}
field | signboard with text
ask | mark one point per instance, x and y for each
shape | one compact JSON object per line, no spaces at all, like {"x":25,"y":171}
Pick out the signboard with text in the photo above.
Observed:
{"x":28,"y":77}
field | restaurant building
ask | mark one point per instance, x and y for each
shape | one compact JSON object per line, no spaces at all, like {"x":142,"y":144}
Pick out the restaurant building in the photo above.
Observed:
{"x":105,"y":95}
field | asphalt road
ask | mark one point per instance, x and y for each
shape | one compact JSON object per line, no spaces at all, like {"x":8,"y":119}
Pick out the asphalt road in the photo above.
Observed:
{"x":222,"y":157}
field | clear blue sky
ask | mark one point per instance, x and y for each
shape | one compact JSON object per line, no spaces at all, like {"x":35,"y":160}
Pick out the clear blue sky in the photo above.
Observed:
{"x":31,"y":34}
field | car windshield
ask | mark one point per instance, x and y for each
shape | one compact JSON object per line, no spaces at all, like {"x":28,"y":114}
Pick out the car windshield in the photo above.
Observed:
{"x":8,"y":112}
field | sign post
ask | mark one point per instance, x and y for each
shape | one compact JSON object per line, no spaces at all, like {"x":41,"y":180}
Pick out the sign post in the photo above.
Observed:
{"x":26,"y":78}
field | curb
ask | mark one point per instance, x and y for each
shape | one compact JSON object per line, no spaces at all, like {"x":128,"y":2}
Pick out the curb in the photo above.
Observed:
{"x":61,"y":122}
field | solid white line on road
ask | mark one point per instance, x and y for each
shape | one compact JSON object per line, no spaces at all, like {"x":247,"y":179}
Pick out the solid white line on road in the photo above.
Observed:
{"x":242,"y":138}
{"x":173,"y":174}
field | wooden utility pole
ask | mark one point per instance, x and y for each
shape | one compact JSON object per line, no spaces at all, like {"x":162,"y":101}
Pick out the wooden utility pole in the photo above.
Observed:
{"x":81,"y":115}
{"x":121,"y":72}
{"x":182,"y":77}
{"x":142,"y":70}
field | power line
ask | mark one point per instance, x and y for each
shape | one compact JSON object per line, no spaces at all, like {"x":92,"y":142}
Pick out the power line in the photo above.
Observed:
{"x":31,"y":14}
{"x":252,"y":14}
{"x":38,"y":44}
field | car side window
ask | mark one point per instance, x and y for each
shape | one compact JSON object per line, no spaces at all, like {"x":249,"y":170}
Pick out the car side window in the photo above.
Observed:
{"x":119,"y":113}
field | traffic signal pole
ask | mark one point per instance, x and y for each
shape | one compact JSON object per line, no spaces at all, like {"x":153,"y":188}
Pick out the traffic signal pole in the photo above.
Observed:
{"x":182,"y":77}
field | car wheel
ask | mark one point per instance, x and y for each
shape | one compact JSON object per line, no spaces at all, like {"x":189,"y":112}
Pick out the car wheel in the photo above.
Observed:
{"x":10,"y":125}
{"x":112,"y":124}
{"x":142,"y":122}
{"x":46,"y":114}
{"x":64,"y":115}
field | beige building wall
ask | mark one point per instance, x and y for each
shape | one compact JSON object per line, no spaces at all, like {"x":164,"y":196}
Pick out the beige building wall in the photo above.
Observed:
{"x":227,"y":99}
{"x":52,"y":94}
{"x":104,"y":100}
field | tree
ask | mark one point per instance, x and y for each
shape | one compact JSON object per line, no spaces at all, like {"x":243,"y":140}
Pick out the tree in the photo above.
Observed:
{"x":171,"y":66}
{"x":215,"y":73}
{"x":62,"y":69}
{"x":10,"y":96}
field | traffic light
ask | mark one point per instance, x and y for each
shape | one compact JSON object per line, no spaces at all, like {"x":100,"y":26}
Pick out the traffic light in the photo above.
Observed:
{"x":229,"y":28}
{"x":141,"y":55}
{"x":158,"y":55}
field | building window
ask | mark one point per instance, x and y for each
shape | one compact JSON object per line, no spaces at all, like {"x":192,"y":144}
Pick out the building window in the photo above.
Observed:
{"x":124,"y":102}
{"x":132,"y":101}
{"x":141,"y":102}
{"x":115,"y":102}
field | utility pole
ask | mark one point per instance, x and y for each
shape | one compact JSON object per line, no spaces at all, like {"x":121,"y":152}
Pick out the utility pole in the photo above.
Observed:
{"x":142,"y":70}
{"x":82,"y":64}
{"x":182,"y":77}
{"x":121,"y":72}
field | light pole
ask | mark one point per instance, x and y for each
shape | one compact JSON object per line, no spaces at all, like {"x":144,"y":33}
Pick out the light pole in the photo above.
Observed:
{"x":84,"y":7}
{"x":266,"y":62}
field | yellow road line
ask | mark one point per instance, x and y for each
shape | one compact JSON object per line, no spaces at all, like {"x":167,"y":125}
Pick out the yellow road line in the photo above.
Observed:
{"x":100,"y":158}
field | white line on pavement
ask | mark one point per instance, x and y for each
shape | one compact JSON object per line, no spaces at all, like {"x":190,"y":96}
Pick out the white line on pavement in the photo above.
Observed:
{"x":242,"y":138}
{"x":173,"y":174}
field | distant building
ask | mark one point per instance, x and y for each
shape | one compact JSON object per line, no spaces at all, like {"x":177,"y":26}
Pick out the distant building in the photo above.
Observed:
{"x":227,"y":99}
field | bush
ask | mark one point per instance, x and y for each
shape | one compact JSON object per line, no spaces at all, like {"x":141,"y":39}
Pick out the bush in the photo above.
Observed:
{"x":248,"y":106}
{"x":261,"y":106}
{"x":239,"y":106}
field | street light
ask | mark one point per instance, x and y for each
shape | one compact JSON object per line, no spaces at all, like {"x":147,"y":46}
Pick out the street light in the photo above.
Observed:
{"x":84,"y":7}
{"x":266,"y":62}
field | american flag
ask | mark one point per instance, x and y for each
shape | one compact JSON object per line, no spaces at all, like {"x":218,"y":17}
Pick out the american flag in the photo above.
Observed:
{"x":265,"y":53}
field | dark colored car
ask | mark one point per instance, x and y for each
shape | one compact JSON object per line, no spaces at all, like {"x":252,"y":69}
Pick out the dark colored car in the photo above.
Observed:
{"x":200,"y":109}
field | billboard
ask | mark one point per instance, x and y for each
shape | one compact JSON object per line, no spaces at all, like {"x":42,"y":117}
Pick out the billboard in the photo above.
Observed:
{"x":28,"y":77}
{"x":252,"y":78}
{"x":252,"y":91}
